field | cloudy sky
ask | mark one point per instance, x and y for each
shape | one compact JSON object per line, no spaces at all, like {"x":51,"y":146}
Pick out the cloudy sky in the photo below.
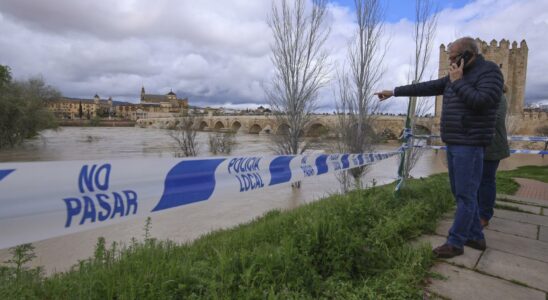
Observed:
{"x":217,"y":52}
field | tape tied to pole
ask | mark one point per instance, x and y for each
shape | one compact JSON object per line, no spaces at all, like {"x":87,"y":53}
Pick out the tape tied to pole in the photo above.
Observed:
{"x":513,"y":138}
{"x":512,"y":151}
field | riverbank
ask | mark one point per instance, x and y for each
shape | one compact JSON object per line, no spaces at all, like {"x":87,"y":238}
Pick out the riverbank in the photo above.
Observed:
{"x":349,"y":246}
{"x":339,"y":247}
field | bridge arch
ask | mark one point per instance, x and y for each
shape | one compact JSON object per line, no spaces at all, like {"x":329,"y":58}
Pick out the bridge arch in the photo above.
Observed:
{"x":317,"y":130}
{"x":203,"y":125}
{"x":282,"y":129}
{"x":236,"y":126}
{"x":421,"y":130}
{"x":184,"y":124}
{"x":219,"y":125}
{"x":255,"y":129}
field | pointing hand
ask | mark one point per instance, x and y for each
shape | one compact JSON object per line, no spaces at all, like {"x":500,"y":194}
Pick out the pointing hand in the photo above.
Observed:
{"x":384,"y":94}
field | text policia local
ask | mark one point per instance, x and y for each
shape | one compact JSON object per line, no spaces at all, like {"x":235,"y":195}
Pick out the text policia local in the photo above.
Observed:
{"x":97,"y":203}
{"x":247,"y":171}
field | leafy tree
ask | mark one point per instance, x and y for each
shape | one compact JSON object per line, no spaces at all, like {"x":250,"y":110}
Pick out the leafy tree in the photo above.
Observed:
{"x":22,"y":108}
{"x":5,"y":76}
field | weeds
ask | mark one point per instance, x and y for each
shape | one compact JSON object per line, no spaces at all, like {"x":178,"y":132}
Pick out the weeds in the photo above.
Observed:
{"x":16,"y":277}
{"x":146,"y":229}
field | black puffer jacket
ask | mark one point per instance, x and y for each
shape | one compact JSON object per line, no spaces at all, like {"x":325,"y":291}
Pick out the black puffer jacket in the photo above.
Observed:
{"x":469,"y":104}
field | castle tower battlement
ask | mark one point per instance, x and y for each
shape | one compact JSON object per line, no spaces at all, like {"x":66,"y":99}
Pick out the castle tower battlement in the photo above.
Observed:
{"x":512,"y":60}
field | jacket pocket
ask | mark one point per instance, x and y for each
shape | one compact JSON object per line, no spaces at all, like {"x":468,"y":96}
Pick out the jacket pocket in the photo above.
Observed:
{"x":465,"y":124}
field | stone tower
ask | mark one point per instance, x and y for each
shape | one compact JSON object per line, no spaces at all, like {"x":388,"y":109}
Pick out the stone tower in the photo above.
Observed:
{"x":512,"y":62}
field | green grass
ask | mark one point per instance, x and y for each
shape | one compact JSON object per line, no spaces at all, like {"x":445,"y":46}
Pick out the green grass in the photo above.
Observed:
{"x":345,"y":247}
{"x":506,"y":185}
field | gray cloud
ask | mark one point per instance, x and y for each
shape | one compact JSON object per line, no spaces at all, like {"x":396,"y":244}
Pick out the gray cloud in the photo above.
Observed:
{"x":217,"y":52}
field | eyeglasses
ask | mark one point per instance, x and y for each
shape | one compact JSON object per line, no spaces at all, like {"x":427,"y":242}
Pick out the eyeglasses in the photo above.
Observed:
{"x":456,"y":57}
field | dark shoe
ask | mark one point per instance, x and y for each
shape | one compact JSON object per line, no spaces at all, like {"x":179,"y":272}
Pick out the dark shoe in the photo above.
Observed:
{"x":476,"y":244}
{"x":447,"y":251}
{"x":484,"y":223}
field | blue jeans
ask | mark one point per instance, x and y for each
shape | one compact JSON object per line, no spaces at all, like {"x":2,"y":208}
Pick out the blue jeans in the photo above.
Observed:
{"x":465,"y":165}
{"x":488,"y":189}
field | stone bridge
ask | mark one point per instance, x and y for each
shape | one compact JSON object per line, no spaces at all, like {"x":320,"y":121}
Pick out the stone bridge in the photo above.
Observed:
{"x":388,"y":126}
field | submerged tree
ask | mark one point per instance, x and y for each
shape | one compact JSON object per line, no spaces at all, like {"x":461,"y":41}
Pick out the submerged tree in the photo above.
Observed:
{"x":300,"y":65}
{"x":184,"y":134}
{"x":222,"y":143}
{"x":356,"y":104}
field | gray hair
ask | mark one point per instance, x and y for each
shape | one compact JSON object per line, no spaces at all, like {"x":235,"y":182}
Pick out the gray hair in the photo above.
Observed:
{"x":466,"y":44}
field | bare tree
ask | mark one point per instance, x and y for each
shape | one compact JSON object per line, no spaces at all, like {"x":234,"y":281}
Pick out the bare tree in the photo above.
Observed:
{"x":356,"y":105}
{"x":423,"y":34}
{"x":221,"y":143}
{"x":184,"y":134}
{"x":300,"y":65}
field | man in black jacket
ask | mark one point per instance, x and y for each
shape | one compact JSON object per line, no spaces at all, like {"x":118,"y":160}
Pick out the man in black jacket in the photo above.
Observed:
{"x":471,"y":93}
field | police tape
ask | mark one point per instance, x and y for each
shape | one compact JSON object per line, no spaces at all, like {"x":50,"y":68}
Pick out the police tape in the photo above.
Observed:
{"x":512,"y":151}
{"x":517,"y":138}
{"x":40,"y":200}
{"x":513,"y":138}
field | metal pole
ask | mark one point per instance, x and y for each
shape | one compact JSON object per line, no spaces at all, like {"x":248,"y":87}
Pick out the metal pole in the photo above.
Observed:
{"x":403,"y":168}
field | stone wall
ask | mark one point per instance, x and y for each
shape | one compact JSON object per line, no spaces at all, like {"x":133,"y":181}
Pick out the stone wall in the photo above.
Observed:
{"x":526,"y":123}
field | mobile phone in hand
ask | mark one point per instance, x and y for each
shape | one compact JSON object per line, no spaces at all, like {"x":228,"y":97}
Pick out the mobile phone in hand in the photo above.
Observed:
{"x":467,"y":55}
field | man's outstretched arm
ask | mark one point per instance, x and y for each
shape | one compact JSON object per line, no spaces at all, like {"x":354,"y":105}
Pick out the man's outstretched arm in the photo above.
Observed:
{"x":422,"y":89}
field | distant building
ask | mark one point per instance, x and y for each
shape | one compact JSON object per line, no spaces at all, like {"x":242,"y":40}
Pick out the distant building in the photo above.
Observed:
{"x":262,"y":111}
{"x":540,"y":106}
{"x":76,"y":108}
{"x":150,"y":105}
{"x":163,"y":103}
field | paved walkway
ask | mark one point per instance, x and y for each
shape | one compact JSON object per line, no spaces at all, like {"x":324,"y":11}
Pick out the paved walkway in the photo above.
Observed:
{"x":515,"y":263}
{"x":532,"y":189}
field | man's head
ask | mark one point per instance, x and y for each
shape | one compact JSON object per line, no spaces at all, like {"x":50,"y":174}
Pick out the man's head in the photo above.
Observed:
{"x":461,"y":48}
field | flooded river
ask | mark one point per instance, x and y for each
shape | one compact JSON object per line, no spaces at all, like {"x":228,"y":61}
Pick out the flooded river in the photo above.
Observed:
{"x":191,"y":221}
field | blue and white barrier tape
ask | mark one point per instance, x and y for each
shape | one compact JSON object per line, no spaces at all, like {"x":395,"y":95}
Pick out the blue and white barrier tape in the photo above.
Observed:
{"x":528,"y":138}
{"x":519,"y":151}
{"x":40,"y":200}
{"x":512,"y":151}
{"x":407,"y":133}
{"x":514,"y":138}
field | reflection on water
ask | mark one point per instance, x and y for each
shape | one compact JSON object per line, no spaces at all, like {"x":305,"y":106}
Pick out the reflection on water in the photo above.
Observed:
{"x":189,"y":222}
